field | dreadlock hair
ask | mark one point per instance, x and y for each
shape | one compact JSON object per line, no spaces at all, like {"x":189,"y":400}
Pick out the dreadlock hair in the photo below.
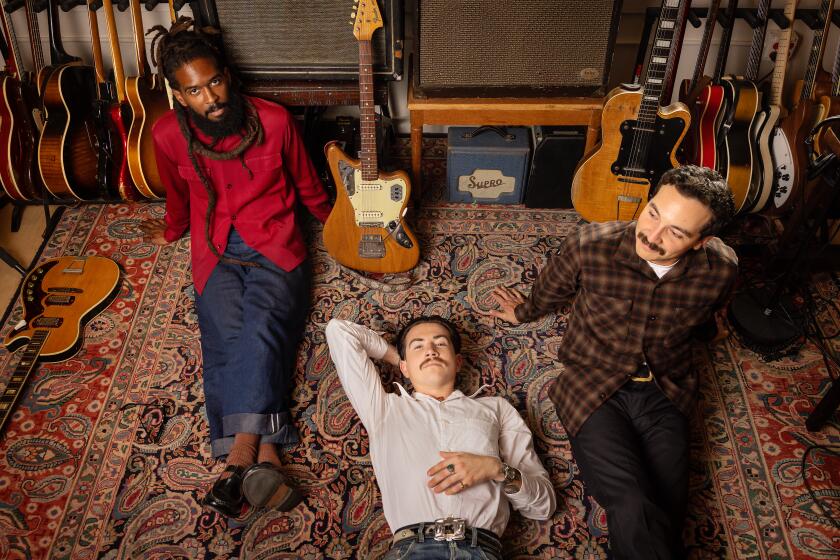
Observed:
{"x":171,"y":49}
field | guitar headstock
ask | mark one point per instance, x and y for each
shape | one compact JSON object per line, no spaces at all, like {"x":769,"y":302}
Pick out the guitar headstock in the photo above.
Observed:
{"x":366,"y":19}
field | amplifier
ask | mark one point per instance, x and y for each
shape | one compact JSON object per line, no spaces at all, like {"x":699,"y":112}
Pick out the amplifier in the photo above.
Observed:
{"x":313,"y":40}
{"x":557,"y":151}
{"x":487,"y":48}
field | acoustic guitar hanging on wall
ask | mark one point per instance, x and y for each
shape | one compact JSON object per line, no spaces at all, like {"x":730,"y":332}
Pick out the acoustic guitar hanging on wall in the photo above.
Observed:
{"x":365,"y":230}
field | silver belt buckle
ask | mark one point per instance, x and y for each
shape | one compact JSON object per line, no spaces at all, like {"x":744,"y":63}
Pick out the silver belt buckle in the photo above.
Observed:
{"x":450,"y":529}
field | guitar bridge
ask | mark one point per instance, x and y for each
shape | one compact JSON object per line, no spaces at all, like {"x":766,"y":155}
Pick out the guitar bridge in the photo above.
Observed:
{"x":371,"y":246}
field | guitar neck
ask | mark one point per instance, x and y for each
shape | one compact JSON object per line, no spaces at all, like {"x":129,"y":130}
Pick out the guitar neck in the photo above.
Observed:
{"x":726,"y":38}
{"x":96,"y":47}
{"x":116,"y":53}
{"x":705,"y":43}
{"x":835,"y":74}
{"x":22,"y":372}
{"x":778,"y":80}
{"x":662,"y":58}
{"x":13,"y":62}
{"x":34,"y":37}
{"x":143,"y":68}
{"x":367,"y":115}
{"x":757,"y":44}
{"x":817,"y":50}
{"x":57,"y":53}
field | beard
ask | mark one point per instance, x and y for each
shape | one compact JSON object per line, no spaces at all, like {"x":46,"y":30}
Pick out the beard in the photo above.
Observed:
{"x":231,"y":122}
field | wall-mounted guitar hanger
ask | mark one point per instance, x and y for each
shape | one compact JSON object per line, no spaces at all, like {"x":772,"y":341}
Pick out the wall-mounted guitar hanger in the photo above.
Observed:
{"x":67,"y":5}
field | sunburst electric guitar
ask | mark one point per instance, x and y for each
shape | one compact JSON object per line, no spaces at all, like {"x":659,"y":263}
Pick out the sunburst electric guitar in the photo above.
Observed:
{"x":58,"y":297}
{"x":365,"y":230}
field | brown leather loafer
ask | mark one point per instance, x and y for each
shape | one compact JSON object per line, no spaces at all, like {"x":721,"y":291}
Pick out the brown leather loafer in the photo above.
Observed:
{"x":265,"y":485}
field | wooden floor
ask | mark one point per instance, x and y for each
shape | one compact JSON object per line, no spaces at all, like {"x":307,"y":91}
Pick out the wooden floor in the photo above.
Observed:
{"x":21,"y":245}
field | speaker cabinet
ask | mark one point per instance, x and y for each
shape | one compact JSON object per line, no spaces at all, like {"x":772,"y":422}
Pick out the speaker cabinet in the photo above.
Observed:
{"x":493,"y":48}
{"x":557,"y":151}
{"x":313,"y":40}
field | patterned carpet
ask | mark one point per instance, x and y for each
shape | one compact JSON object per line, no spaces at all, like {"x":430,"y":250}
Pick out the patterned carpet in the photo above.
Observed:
{"x":107,"y":454}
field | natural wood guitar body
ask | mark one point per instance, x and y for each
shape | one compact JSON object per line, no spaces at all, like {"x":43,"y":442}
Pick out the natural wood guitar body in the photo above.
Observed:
{"x":614,"y":181}
{"x":67,"y":153}
{"x":148,"y":103}
{"x":365,"y":230}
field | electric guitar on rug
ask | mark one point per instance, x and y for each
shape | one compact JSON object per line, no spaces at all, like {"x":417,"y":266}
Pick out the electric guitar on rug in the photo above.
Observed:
{"x":365,"y":230}
{"x":640,"y":137}
{"x":59,"y":297}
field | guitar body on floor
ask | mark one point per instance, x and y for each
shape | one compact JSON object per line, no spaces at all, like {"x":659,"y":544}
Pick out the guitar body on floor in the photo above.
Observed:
{"x":59,"y":297}
{"x":365,"y":230}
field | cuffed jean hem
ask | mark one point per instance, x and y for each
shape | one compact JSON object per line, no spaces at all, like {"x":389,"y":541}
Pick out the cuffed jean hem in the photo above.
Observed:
{"x":273,"y":428}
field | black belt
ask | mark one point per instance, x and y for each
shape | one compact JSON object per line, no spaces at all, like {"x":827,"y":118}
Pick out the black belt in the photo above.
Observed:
{"x":442,"y":530}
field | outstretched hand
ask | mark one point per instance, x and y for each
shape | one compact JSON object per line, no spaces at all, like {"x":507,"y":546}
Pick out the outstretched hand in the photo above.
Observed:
{"x":507,"y":299}
{"x":459,"y":471}
{"x":153,"y":231}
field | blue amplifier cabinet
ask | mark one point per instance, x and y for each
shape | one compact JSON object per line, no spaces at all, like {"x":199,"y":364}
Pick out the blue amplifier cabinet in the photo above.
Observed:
{"x":487,"y":164}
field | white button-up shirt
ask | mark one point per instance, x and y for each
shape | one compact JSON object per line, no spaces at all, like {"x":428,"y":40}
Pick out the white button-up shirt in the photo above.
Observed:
{"x":408,"y":431}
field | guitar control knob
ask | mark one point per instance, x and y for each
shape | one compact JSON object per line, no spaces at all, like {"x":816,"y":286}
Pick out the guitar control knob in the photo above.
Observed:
{"x":392,"y":224}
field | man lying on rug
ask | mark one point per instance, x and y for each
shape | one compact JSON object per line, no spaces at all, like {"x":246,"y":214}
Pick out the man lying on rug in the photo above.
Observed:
{"x":638,"y":289}
{"x":447,"y":464}
{"x":234,"y":167}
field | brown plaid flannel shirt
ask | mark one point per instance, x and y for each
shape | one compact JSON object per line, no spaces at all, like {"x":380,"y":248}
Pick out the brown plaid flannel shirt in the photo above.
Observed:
{"x":623,"y":315}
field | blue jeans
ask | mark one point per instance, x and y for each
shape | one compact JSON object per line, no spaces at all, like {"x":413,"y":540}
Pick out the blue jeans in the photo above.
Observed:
{"x":431,"y":549}
{"x":251,"y":320}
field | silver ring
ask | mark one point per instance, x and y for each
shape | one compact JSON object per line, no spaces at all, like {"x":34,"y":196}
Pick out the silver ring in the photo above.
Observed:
{"x":451,"y":468}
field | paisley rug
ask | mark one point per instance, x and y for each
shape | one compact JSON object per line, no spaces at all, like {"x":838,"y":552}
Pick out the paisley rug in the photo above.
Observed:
{"x":107,"y":454}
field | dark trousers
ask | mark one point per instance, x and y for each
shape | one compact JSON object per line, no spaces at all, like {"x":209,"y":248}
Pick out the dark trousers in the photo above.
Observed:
{"x":633,"y":458}
{"x":251,"y":320}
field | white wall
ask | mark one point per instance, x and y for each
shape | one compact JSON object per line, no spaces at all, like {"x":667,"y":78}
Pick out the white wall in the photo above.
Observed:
{"x":76,"y":38}
{"x":75,"y":34}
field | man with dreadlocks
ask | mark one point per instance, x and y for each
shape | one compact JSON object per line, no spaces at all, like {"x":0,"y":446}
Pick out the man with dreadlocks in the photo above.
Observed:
{"x":234,"y":167}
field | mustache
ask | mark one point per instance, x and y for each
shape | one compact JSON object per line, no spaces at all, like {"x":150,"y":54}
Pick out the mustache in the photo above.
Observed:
{"x":215,"y":107}
{"x":652,"y":246}
{"x":428,"y":360}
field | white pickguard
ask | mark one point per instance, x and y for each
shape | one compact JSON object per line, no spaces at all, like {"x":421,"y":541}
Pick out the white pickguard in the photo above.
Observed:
{"x":376,"y":203}
{"x":783,"y":163}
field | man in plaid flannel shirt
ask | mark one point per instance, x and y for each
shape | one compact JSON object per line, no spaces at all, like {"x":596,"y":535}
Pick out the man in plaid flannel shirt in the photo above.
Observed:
{"x":637,"y":291}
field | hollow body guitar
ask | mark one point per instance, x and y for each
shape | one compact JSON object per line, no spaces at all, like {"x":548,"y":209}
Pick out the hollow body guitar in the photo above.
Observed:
{"x":58,"y":297}
{"x":365,"y":230}
{"x":613,"y":183}
{"x":640,"y":137}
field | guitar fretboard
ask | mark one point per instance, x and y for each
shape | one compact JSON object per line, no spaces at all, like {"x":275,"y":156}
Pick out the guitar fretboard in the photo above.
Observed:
{"x":34,"y":37}
{"x":817,"y":48}
{"x":757,"y":45}
{"x":782,"y":50}
{"x":661,"y":62}
{"x":367,"y":116}
{"x":725,"y":39}
{"x":704,"y":44}
{"x":24,"y":368}
{"x":13,"y":44}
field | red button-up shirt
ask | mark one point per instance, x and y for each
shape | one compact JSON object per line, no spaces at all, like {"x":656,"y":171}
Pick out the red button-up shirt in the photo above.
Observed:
{"x":261,"y":208}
